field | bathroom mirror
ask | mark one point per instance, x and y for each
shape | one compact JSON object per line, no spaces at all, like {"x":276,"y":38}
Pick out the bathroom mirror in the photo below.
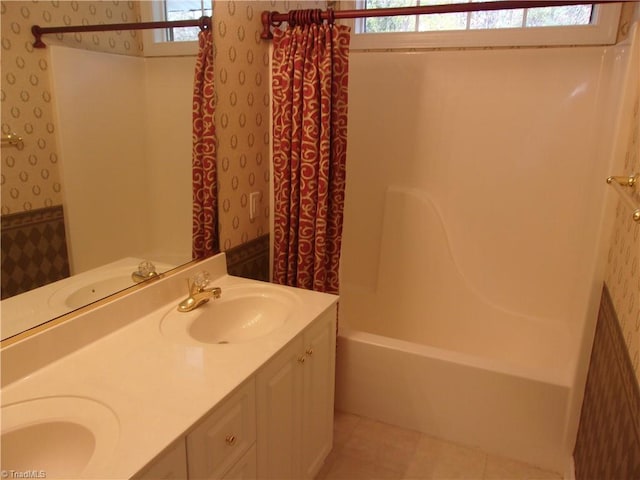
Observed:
{"x":107,"y":135}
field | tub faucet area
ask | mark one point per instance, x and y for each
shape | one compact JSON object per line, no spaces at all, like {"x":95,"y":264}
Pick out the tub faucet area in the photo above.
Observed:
{"x":198,"y":293}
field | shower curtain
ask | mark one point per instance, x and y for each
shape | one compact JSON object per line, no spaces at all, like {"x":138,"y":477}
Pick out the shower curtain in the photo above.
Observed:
{"x":205,"y":195}
{"x":310,"y":76}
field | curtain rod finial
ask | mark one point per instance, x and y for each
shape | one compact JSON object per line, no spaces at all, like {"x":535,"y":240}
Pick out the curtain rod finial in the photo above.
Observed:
{"x":266,"y":25}
{"x":37,"y":34}
{"x":204,"y":23}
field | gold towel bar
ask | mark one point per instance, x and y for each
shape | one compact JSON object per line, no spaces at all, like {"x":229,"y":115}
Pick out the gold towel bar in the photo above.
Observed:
{"x":11,"y":139}
{"x":620,"y":183}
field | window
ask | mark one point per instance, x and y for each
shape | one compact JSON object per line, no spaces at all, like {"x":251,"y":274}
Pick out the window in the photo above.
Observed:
{"x":184,"y":10}
{"x":518,"y":18}
{"x":173,"y":41}
{"x":579,"y":24}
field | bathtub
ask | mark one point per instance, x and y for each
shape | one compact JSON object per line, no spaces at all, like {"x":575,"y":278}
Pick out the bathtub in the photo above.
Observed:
{"x":435,"y":353}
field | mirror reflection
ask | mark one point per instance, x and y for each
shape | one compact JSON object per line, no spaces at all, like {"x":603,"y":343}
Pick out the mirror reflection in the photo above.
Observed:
{"x":102,"y":180}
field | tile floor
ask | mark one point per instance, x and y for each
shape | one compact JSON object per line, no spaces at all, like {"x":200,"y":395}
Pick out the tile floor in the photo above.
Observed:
{"x":368,"y":450}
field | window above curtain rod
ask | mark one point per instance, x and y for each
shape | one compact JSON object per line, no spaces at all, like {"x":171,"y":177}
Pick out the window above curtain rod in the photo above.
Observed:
{"x":203,"y":22}
{"x":273,"y":18}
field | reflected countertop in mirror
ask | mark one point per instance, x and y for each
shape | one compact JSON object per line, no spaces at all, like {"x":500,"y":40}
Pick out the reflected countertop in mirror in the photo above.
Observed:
{"x":32,"y":308}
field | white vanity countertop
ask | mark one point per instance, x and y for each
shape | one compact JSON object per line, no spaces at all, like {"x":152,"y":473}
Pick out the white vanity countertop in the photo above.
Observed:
{"x":156,"y":387}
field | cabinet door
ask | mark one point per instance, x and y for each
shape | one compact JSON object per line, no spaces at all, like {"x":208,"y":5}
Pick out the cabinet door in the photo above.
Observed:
{"x":172,"y":465}
{"x":317,"y":403}
{"x":224,"y":436}
{"x":279,"y":393}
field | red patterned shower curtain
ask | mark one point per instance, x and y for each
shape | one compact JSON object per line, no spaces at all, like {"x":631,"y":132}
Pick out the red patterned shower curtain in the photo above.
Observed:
{"x":310,"y":77}
{"x":205,"y":194}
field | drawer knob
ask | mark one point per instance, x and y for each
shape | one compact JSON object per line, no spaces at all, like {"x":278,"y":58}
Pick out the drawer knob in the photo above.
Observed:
{"x":230,"y":439}
{"x":301,"y":359}
{"x":310,"y":351}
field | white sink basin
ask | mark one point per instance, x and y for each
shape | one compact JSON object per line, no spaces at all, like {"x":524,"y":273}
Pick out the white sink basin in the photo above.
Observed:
{"x":61,"y":436}
{"x":62,"y":447}
{"x":242,"y":314}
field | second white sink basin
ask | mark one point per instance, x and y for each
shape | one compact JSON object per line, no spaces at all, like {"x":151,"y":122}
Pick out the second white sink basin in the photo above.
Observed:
{"x":56,"y":447}
{"x":64,"y":437}
{"x":242,"y":314}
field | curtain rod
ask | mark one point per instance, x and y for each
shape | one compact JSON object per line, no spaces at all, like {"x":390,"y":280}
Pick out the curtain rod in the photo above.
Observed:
{"x":273,"y":18}
{"x":203,"y":22}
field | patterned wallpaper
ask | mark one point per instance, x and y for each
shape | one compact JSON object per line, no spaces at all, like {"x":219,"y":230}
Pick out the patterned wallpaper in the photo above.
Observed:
{"x":30,"y":176}
{"x":241,"y":62}
{"x":623,"y":269}
{"x":242,"y":114}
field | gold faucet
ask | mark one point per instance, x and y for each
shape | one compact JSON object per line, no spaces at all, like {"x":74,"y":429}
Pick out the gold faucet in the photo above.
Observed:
{"x":146,"y":270}
{"x":198,"y":293}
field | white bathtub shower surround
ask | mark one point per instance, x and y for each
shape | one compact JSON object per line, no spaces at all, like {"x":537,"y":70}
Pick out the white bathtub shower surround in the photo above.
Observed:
{"x":438,"y":305}
{"x":503,"y":142}
{"x":460,"y":367}
{"x":472,"y":248}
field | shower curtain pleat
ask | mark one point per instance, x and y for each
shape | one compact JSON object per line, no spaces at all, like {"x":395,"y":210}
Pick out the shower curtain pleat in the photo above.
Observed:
{"x":205,"y":196}
{"x":310,"y":78}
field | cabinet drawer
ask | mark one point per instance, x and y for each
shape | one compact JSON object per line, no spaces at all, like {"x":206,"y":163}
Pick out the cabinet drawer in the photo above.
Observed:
{"x":224,"y":436}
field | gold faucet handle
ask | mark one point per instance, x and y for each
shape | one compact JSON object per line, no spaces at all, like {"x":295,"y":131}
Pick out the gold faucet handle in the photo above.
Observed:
{"x":146,"y":270}
{"x":199,"y":282}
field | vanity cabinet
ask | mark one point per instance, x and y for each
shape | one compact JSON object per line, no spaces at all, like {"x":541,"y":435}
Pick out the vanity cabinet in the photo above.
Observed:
{"x":295,"y":396}
{"x":276,"y":425}
{"x":223,"y":444}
